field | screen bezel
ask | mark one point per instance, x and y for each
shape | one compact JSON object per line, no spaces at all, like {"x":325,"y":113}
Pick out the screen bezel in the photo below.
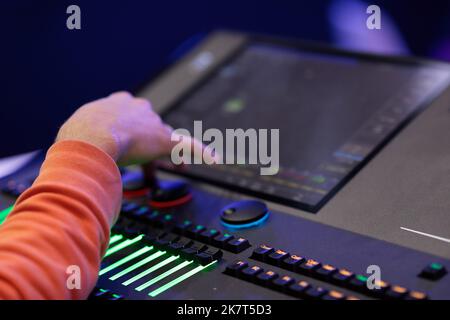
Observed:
{"x":312,"y":48}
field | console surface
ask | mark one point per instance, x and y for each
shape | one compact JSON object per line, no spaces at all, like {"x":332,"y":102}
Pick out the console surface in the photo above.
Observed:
{"x":376,"y":193}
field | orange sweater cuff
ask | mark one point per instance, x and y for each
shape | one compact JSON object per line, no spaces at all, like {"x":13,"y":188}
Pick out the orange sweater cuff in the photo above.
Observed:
{"x":62,"y":220}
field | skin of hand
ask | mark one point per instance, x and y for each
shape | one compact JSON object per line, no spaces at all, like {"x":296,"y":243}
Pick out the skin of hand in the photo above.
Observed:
{"x":124,"y":127}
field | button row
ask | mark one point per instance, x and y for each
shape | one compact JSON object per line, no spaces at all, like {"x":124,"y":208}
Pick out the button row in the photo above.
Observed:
{"x":283,"y":283}
{"x":146,"y":215}
{"x":186,"y":228}
{"x":104,"y":294}
{"x":170,"y":242}
{"x":331,"y":274}
{"x":214,"y":237}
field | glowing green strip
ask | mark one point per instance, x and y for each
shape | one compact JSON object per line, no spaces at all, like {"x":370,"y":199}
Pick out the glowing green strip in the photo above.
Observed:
{"x":115,"y":238}
{"x":176,"y":281}
{"x":125,"y":260}
{"x":163,"y":275}
{"x":146,"y":272}
{"x":4,"y":213}
{"x":137,"y":265}
{"x":122,"y":245}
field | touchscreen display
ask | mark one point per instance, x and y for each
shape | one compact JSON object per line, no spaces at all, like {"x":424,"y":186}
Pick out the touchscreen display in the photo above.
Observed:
{"x":333,"y":113}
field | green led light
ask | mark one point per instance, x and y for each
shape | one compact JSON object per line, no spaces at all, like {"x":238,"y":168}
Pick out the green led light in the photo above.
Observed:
{"x":150,"y":270}
{"x":163,"y":275}
{"x":137,"y":265}
{"x":181,"y":278}
{"x":125,"y":260}
{"x":362,"y":278}
{"x":122,"y":245}
{"x":436,"y":266}
{"x":4,"y":213}
{"x":154,"y":214}
{"x":115,"y":238}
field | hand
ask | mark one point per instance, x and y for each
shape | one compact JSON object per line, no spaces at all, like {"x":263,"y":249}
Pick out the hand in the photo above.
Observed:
{"x":124,"y":127}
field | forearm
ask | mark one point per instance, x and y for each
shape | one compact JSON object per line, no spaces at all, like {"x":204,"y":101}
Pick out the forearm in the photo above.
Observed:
{"x":62,"y":220}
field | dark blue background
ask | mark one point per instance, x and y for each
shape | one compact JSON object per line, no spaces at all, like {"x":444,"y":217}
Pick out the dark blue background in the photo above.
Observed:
{"x":48,"y":71}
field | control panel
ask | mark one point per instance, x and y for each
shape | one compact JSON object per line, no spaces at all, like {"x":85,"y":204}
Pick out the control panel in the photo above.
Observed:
{"x":178,"y":239}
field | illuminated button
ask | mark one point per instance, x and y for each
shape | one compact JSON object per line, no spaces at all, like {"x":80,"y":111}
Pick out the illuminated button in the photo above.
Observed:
{"x":157,"y":219}
{"x":297,"y":289}
{"x":266,"y":277}
{"x":221,"y":240}
{"x":115,"y":296}
{"x":277,"y":256}
{"x":104,"y":294}
{"x":170,"y":194}
{"x":99,"y":294}
{"x":244,"y":214}
{"x":261,"y":252}
{"x":181,"y":227}
{"x":315,"y":292}
{"x":416,"y":295}
{"x":194,"y":230}
{"x":134,"y":186}
{"x":153,"y":218}
{"x":282,"y":283}
{"x":333,"y":295}
{"x":208,"y":256}
{"x":235,"y":267}
{"x":396,"y":292}
{"x":380,"y":287}
{"x":292,"y":262}
{"x":237,"y":245}
{"x":433,"y":271}
{"x":359,"y":282}
{"x":309,"y":265}
{"x":342,"y":276}
{"x":326,"y":271}
{"x":180,"y":244}
{"x":250,"y":273}
{"x":207,"y":235}
{"x":167,"y":218}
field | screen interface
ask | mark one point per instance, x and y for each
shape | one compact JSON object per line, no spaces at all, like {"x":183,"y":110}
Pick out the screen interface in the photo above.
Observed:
{"x":333,"y":113}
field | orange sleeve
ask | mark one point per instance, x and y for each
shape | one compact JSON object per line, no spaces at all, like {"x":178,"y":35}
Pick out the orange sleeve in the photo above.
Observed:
{"x":62,"y":220}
